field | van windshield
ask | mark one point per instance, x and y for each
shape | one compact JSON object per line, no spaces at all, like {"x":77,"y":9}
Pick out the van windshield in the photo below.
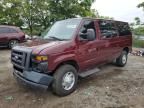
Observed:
{"x":63,"y":30}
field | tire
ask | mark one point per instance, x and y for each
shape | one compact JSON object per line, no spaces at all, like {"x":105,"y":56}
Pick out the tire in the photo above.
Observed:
{"x":122,"y":59}
{"x":59,"y":84}
{"x":12,"y":43}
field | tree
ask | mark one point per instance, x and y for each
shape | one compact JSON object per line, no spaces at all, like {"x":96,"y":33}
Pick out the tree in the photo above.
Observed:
{"x":40,"y":14}
{"x":62,"y":9}
{"x":137,"y":27}
{"x":141,"y":5}
{"x":9,"y":13}
{"x":137,"y":20}
{"x":139,"y":31}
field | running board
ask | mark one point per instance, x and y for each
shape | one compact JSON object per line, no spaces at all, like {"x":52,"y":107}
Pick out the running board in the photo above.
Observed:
{"x":89,"y":72}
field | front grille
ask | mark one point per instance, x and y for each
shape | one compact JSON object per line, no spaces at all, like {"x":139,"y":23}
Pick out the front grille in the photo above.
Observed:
{"x":20,"y":57}
{"x":18,"y":69}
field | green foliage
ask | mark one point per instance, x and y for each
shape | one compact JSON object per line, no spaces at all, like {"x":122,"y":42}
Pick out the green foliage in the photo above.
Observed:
{"x":139,"y":30}
{"x":137,"y":27}
{"x":141,"y":5}
{"x":37,"y":15}
{"x":9,"y":12}
{"x":137,"y":20}
{"x":138,"y":43}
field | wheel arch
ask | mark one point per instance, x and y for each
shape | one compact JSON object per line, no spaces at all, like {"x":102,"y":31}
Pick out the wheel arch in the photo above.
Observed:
{"x":70,"y":62}
{"x":14,"y":39}
{"x":126,"y":49}
{"x":8,"y":44}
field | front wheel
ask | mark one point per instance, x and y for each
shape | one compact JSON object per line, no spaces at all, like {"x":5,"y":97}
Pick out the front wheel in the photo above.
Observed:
{"x":122,"y":59}
{"x":12,"y":43}
{"x":65,"y":80}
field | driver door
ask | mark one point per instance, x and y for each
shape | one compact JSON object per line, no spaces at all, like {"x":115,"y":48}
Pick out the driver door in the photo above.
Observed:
{"x":87,"y":50}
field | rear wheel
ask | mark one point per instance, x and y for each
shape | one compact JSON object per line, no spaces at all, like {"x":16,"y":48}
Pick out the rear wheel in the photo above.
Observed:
{"x":122,"y":59}
{"x":12,"y":43}
{"x":65,"y":80}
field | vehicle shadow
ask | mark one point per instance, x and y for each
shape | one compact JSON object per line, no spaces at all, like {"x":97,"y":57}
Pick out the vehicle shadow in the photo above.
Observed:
{"x":105,"y":73}
{"x":4,"y":48}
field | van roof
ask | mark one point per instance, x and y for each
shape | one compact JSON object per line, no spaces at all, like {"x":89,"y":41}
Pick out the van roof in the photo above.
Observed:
{"x":84,"y":18}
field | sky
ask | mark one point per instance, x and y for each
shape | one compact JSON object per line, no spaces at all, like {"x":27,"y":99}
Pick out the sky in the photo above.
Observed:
{"x":123,"y":10}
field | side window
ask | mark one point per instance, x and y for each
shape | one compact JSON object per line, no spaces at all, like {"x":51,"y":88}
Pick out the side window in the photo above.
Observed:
{"x":11,"y":30}
{"x":123,"y":29}
{"x":4,"y":30}
{"x":87,"y":25}
{"x":1,"y":31}
{"x":107,"y":29}
{"x":7,"y":30}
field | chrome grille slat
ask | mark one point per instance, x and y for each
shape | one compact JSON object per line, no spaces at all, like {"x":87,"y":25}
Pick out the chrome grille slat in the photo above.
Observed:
{"x":17,"y":61}
{"x":14,"y":54}
{"x":18,"y":66}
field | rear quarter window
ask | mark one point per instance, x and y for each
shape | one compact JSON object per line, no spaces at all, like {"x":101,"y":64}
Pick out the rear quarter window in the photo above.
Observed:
{"x":107,"y":29}
{"x":123,"y":29}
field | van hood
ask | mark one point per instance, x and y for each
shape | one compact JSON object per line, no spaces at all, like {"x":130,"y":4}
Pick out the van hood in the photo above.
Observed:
{"x":39,"y":45}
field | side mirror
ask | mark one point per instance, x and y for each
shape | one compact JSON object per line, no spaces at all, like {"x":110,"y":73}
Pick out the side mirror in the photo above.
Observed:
{"x":91,"y":34}
{"x":88,"y":36}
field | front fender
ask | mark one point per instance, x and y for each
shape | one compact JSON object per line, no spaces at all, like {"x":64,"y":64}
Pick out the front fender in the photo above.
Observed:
{"x":61,"y":59}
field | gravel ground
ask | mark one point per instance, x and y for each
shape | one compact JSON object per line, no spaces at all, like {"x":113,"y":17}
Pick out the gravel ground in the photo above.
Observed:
{"x":113,"y":87}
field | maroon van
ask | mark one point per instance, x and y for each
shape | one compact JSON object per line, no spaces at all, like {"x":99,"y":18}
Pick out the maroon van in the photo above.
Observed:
{"x":10,"y":35}
{"x":71,"y":49}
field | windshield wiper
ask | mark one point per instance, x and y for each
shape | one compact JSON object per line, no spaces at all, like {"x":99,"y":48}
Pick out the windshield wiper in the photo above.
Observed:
{"x":53,"y":37}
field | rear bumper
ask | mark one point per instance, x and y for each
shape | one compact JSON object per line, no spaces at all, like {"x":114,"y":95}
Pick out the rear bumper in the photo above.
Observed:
{"x":33,"y":79}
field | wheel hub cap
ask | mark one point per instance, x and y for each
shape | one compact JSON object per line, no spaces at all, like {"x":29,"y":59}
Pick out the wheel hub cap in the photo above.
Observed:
{"x":68,"y":80}
{"x":13,"y":43}
{"x":124,"y":59}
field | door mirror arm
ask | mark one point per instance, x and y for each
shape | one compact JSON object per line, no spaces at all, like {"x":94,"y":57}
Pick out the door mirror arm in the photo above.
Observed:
{"x":81,"y":35}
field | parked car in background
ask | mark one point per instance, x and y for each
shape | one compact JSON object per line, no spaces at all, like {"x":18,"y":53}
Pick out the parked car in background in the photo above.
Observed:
{"x":71,"y":48}
{"x":10,"y":36}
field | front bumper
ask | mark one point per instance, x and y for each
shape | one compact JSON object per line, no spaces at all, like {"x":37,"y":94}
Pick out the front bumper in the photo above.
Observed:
{"x":33,"y":79}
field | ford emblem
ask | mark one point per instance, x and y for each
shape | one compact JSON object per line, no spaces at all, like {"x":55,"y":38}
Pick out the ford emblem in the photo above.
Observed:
{"x":16,"y":57}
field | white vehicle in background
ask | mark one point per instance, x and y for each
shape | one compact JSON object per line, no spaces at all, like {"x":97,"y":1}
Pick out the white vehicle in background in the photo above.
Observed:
{"x":27,"y":37}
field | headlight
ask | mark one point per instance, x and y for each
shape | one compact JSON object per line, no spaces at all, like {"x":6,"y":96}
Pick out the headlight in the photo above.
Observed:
{"x":41,"y":58}
{"x":43,"y":67}
{"x":40,"y":63}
